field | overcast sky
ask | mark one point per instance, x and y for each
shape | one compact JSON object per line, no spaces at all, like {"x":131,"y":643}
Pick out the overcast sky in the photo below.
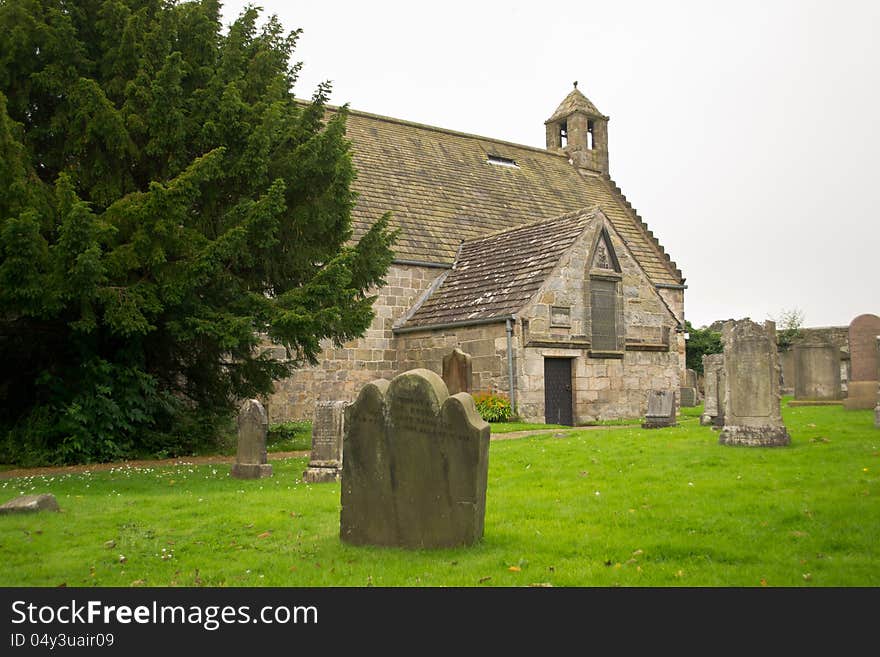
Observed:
{"x":744,"y":133}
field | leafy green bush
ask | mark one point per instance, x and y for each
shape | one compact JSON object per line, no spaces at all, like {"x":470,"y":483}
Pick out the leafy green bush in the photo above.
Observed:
{"x":493,"y":407}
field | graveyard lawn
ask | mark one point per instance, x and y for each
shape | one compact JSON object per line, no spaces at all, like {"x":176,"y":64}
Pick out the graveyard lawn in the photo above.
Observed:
{"x":623,"y":506}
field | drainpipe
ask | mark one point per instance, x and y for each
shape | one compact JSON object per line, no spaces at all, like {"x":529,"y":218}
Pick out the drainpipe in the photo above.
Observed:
{"x":511,"y":382}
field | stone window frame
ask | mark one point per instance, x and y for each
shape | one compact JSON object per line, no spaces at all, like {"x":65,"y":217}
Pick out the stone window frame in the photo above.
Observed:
{"x":615,"y":275}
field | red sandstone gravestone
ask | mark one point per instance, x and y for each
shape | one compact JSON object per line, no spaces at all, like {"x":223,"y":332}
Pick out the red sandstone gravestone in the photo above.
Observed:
{"x":862,"y":386}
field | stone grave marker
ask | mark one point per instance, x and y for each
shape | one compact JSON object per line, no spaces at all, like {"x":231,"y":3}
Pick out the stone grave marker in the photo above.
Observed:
{"x":752,"y":415}
{"x":661,"y":409}
{"x":30,"y":504}
{"x":862,"y":385}
{"x":457,"y":371}
{"x":415,"y":467}
{"x":325,"y":460}
{"x":712,"y":366}
{"x":688,"y":391}
{"x":251,"y":461}
{"x":816,"y":371}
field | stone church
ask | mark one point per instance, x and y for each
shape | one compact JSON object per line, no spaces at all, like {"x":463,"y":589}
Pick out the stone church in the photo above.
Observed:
{"x":529,"y":260}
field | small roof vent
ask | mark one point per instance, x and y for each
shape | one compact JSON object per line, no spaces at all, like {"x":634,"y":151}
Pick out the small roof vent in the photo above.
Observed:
{"x":502,"y":161}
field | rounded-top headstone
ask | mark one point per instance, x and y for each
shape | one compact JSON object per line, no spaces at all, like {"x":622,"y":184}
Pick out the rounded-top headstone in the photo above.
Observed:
{"x":416,"y":463}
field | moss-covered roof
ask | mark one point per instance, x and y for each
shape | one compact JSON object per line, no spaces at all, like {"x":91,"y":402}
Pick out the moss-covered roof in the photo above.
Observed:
{"x":442,"y":187}
{"x":495,"y":276}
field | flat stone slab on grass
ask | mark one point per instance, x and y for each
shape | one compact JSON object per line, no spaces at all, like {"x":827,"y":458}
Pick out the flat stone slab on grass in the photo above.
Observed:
{"x":30,"y":504}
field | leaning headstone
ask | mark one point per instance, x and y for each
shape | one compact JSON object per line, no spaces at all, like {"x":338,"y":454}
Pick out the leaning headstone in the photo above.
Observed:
{"x":712,"y":366}
{"x":862,"y":385}
{"x":752,"y":415}
{"x":251,"y":460}
{"x":416,"y":465}
{"x":457,"y":371}
{"x":30,"y":504}
{"x":661,"y":409}
{"x":816,"y":371}
{"x":325,"y":461}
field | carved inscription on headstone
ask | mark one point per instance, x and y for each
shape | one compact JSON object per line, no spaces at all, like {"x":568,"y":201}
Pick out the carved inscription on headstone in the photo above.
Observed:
{"x":251,"y":460}
{"x":752,"y":416}
{"x":415,"y":467}
{"x":325,"y":460}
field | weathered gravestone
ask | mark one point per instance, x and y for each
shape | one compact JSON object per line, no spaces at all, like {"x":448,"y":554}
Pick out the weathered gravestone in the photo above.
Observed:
{"x":325,"y":461}
{"x":251,"y":461}
{"x":457,"y":371}
{"x":30,"y":504}
{"x":661,"y":409}
{"x":713,"y":364}
{"x":816,"y":371}
{"x":688,"y":391}
{"x":862,"y":385}
{"x":752,"y":416}
{"x":415,"y":467}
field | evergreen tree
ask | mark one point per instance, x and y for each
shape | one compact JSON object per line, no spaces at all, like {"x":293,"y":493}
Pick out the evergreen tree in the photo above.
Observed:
{"x":700,"y":342}
{"x":165,"y":204}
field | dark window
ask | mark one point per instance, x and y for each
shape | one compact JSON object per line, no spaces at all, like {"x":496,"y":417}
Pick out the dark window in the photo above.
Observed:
{"x":603,"y":314}
{"x":563,"y":134}
{"x":590,"y":138}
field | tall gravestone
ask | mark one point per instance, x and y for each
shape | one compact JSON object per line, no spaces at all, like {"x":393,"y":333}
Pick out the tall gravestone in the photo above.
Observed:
{"x":415,"y":467}
{"x":457,"y":371}
{"x":688,"y":390}
{"x":713,"y":365}
{"x":325,"y":460}
{"x":816,"y":371}
{"x":752,"y":415}
{"x":661,"y":409}
{"x":862,"y":385}
{"x":251,"y":460}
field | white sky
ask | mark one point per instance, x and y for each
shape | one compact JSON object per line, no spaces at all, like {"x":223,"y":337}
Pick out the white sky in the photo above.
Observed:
{"x":744,"y":133}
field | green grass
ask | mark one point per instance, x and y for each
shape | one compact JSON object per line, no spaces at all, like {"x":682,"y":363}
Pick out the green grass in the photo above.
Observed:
{"x":628,"y":506}
{"x":510,"y":427}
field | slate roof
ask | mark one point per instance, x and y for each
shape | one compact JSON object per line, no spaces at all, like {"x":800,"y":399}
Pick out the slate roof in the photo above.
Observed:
{"x":496,"y":275}
{"x":441,"y":189}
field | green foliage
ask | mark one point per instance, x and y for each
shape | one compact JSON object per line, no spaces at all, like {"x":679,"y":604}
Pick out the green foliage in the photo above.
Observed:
{"x":788,"y":327}
{"x":289,"y":437}
{"x":701,"y":342}
{"x":493,"y":407}
{"x":166,"y":205}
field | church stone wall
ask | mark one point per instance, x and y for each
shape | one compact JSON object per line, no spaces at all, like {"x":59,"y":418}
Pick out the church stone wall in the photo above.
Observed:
{"x":342,"y":371}
{"x":486,"y":344}
{"x":602,"y":388}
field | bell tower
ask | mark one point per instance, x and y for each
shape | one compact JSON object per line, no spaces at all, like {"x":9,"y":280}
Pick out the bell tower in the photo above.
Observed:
{"x":580,"y":131}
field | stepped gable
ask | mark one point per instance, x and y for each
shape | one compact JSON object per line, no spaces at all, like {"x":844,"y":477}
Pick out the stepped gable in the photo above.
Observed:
{"x":443,"y":186}
{"x":495,"y":276}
